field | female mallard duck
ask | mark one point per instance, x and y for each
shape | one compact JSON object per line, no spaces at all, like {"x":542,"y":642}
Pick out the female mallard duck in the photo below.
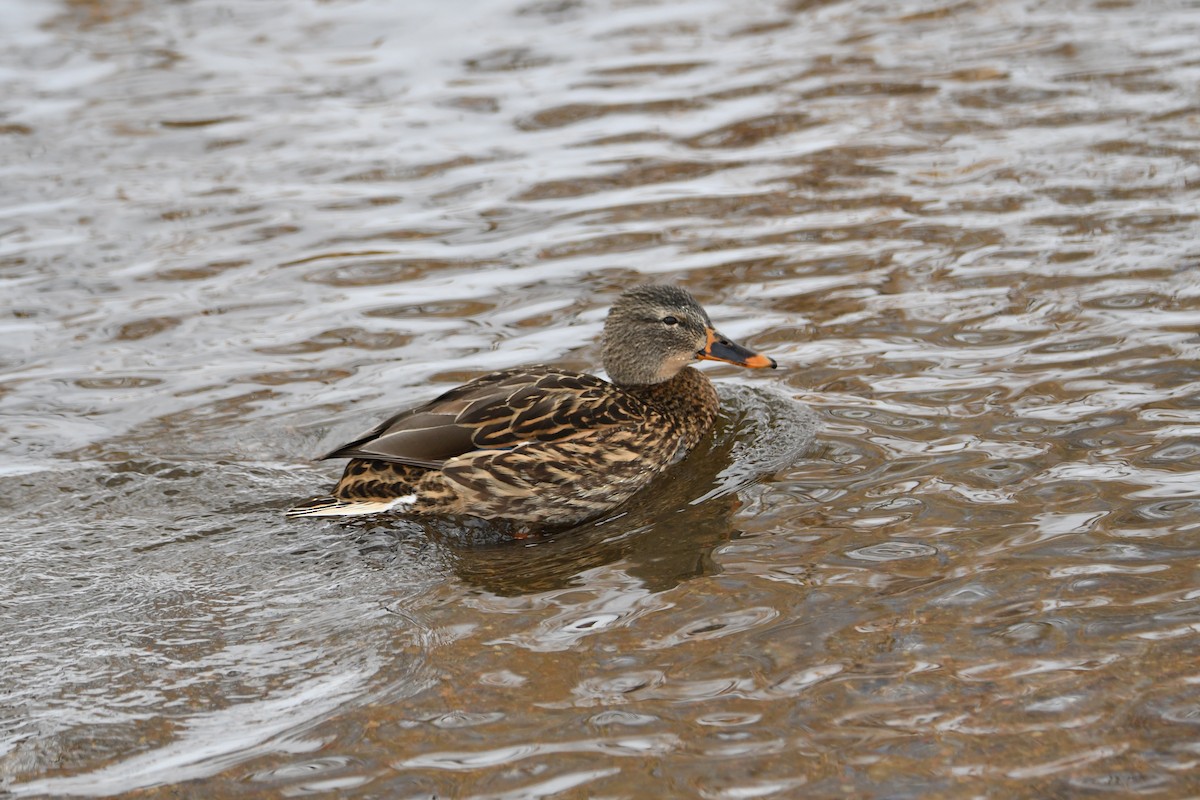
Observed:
{"x":548,"y":446}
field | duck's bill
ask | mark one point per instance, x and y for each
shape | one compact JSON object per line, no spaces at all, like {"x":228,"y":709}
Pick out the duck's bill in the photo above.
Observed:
{"x":721,"y":349}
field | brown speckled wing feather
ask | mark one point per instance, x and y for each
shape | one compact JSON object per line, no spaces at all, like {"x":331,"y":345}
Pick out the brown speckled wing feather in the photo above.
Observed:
{"x":497,"y":412}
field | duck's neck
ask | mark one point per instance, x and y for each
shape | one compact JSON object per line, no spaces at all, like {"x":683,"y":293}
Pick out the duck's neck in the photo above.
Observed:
{"x":688,"y":400}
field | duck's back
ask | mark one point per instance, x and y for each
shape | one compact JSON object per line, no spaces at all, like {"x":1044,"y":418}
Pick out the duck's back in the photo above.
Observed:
{"x":499,"y":411}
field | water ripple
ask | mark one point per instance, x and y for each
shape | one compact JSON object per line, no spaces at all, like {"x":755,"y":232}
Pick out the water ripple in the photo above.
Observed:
{"x":955,"y":521}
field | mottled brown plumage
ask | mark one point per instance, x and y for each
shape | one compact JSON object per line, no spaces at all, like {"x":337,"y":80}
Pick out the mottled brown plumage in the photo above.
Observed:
{"x":547,"y":446}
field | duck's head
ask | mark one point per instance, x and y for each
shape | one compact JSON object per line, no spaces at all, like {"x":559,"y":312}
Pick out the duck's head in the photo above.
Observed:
{"x":652,"y":332}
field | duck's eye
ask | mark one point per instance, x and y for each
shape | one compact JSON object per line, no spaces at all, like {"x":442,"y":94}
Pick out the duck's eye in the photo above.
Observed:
{"x":670,"y":321}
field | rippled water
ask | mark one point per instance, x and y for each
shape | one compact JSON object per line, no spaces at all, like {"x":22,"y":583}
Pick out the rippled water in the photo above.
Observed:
{"x":231,"y":234}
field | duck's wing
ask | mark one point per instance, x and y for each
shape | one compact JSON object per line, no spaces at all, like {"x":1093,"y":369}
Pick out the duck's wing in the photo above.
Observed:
{"x":497,"y":412}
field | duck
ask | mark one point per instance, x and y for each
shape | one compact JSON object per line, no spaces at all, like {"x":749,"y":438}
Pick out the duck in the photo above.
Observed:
{"x":544,"y":447}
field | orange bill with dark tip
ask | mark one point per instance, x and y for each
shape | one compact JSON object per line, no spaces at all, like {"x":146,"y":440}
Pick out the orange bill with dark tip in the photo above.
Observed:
{"x":718,"y":348}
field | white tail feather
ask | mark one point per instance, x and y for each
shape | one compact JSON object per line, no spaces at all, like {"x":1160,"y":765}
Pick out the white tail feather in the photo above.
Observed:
{"x":333,"y":507}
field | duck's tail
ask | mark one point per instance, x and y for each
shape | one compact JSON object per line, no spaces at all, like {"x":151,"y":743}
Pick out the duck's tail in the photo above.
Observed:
{"x":336,"y":507}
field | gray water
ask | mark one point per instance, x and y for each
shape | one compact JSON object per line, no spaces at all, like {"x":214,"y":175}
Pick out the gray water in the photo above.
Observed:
{"x":233,"y":235}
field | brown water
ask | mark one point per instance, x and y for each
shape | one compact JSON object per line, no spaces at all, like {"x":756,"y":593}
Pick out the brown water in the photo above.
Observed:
{"x":232,"y":234}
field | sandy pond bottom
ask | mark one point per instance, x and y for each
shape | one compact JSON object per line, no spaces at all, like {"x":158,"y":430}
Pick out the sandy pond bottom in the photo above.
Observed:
{"x":234,"y":234}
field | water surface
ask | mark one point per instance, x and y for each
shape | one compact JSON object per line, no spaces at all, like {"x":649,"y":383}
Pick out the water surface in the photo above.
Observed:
{"x":232,"y":235}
